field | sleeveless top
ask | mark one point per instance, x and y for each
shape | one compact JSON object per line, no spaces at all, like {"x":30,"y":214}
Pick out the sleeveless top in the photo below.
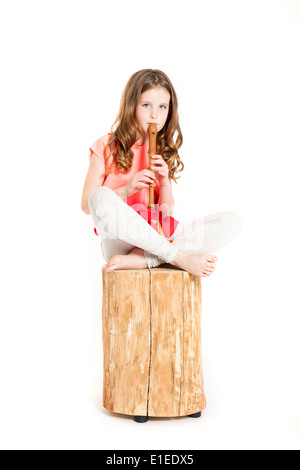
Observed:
{"x":117,"y":178}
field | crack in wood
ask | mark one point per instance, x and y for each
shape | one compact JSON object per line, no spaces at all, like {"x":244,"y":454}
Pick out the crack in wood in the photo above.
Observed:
{"x":150,"y":338}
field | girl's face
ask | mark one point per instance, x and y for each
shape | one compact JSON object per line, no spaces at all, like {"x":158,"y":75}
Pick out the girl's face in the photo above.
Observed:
{"x":153,"y":107}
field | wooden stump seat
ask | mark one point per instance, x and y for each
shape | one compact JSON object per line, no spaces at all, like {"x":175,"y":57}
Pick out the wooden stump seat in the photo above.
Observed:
{"x":151,"y":331}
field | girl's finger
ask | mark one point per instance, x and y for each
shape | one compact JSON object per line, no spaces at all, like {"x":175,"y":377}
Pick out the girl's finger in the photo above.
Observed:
{"x":157,"y":165}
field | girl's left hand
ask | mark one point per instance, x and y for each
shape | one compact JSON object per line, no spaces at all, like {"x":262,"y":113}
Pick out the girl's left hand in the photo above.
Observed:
{"x":161,"y":168}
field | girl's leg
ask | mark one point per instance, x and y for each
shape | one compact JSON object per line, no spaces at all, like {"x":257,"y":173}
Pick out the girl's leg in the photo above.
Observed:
{"x":203,"y":235}
{"x":111,"y":247}
{"x":121,"y":255}
{"x":121,"y":227}
{"x":207,"y":234}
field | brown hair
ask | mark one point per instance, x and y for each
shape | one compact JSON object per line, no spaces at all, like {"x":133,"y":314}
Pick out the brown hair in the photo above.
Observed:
{"x":127,"y":127}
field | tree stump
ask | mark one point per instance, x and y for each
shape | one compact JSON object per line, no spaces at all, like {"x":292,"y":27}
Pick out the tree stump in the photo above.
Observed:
{"x":151,"y":330}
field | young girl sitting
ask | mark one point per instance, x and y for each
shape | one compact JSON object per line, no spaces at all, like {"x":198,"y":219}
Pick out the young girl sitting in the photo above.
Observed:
{"x":118,"y":178}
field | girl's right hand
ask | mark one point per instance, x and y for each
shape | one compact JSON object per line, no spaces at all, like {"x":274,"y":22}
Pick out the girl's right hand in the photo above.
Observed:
{"x":140,"y":181}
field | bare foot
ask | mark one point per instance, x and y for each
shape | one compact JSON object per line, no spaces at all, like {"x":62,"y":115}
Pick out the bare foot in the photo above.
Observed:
{"x":200,"y":265}
{"x":134,"y":260}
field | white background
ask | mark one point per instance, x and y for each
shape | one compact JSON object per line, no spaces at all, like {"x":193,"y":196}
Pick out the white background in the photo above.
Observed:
{"x":236,"y":70}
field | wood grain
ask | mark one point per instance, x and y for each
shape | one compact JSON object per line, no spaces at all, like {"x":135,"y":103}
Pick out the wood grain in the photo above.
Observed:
{"x":151,"y":329}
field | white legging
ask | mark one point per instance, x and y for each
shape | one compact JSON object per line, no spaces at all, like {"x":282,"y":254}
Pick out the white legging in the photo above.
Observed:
{"x":121,"y":229}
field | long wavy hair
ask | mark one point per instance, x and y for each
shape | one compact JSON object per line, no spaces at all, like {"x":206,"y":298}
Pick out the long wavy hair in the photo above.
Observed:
{"x":126,"y":128}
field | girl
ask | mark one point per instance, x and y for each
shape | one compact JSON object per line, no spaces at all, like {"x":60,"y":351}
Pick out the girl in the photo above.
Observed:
{"x":118,"y":181}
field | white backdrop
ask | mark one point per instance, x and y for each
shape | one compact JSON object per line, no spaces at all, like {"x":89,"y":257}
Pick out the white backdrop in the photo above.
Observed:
{"x":235,"y":67}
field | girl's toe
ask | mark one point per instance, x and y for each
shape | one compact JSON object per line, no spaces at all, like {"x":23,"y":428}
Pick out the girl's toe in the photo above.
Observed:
{"x":209,"y":266}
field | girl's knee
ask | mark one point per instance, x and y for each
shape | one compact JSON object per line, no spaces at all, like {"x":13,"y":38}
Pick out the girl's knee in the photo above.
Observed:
{"x":99,"y":193}
{"x":99,"y":196}
{"x":226,"y":222}
{"x":233,"y":221}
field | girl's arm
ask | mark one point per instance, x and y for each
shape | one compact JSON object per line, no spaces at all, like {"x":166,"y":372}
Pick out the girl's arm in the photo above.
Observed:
{"x":165,"y":200}
{"x":94,"y":179}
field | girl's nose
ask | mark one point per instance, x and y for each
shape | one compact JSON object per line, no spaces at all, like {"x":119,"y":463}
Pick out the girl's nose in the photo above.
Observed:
{"x":153,"y":115}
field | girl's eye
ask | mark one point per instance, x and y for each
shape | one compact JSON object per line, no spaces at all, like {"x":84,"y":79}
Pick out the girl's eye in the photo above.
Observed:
{"x":161,"y":106}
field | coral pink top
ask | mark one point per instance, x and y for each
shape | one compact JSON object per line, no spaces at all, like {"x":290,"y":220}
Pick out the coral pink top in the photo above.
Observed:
{"x":117,"y":179}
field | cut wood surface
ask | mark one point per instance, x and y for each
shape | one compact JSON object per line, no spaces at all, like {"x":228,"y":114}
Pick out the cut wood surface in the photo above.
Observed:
{"x":151,"y":329}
